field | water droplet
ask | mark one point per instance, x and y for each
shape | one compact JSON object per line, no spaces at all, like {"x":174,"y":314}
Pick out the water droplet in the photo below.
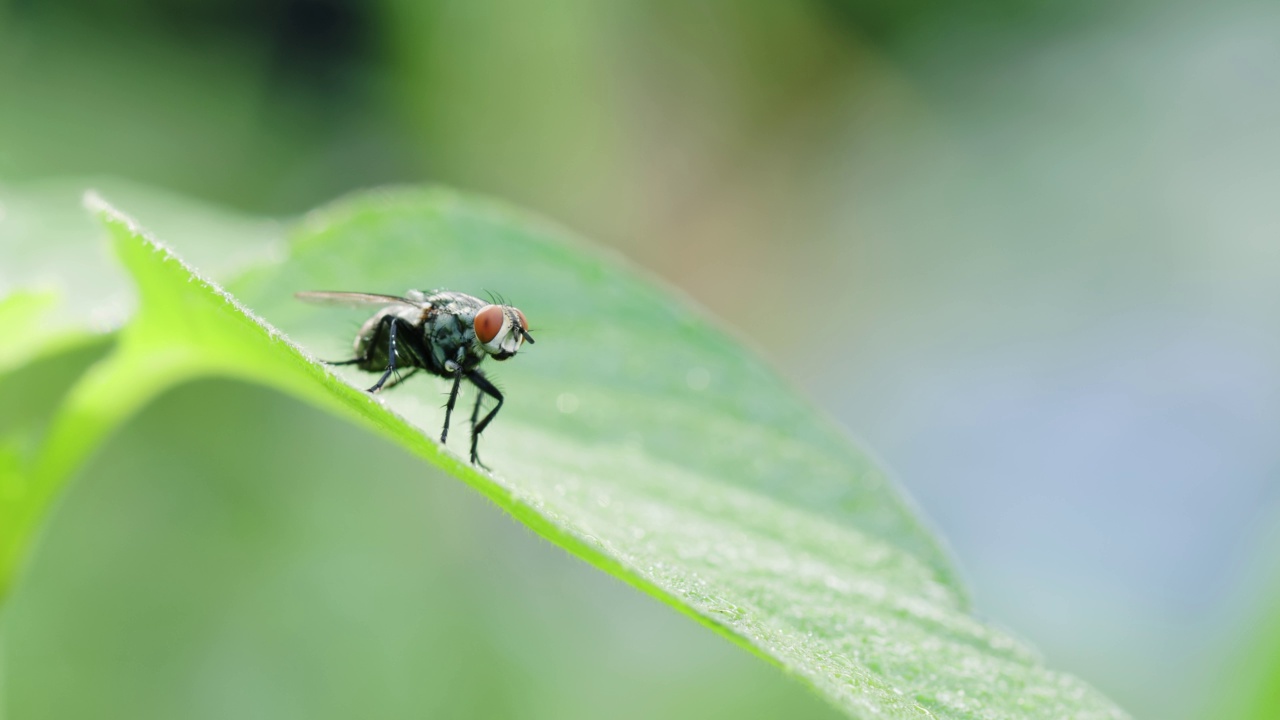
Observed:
{"x":567,"y":403}
{"x":698,"y":378}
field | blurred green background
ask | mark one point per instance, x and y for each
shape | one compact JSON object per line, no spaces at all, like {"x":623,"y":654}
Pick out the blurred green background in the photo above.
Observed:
{"x":1029,"y":251}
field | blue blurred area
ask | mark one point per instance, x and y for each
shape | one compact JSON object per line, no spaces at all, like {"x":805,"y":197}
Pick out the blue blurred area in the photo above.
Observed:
{"x":1027,"y":251}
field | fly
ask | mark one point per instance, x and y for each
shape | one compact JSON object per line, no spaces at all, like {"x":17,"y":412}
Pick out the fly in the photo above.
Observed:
{"x":445,"y":333}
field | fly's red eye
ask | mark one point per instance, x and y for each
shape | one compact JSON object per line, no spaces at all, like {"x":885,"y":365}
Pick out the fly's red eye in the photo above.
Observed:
{"x":488,"y":323}
{"x":524,"y":324}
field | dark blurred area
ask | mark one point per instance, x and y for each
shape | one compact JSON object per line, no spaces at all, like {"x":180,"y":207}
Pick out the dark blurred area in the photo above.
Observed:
{"x":268,"y":107}
{"x":1047,"y":230}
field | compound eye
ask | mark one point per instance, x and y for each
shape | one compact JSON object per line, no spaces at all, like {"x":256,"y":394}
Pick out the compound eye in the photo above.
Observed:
{"x":489,"y":323}
{"x":524,"y":324}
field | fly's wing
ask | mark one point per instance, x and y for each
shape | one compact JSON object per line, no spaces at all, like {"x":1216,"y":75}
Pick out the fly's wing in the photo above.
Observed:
{"x":356,"y":299}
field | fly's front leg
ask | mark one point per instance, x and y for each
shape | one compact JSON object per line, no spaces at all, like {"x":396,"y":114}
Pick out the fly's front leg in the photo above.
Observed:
{"x":453,"y":398}
{"x":482,"y":383}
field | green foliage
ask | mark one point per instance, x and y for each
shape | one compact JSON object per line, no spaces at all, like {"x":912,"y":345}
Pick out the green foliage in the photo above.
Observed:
{"x":637,"y":435}
{"x":1256,"y":675}
{"x":1247,"y":683}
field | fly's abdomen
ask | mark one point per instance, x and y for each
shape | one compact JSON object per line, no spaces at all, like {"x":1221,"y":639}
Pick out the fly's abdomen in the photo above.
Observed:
{"x":373,"y":342}
{"x":370,"y":346}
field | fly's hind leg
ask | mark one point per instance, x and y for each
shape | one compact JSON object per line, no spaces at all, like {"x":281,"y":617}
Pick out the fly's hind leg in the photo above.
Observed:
{"x":485,"y":387}
{"x":389,"y":324}
{"x":399,"y":377}
{"x":368,"y":351}
{"x":399,"y":352}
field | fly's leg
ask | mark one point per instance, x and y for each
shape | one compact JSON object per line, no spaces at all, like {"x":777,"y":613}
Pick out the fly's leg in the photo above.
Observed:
{"x":482,"y":383}
{"x":368,"y":351}
{"x":402,"y":351}
{"x":398,"y":378}
{"x":453,"y":398}
{"x":475,"y":413}
{"x":389,"y":323}
{"x":475,"y":417}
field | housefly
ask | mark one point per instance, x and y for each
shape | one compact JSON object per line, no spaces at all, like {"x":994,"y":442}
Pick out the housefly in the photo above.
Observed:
{"x":444,"y":333}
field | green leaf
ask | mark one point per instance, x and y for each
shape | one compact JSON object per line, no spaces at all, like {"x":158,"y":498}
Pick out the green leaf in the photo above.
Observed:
{"x":61,"y":293}
{"x":24,"y":324}
{"x":1255,"y":680}
{"x":1247,"y":683}
{"x":636,"y":434}
{"x":58,"y":284}
{"x":60,"y":289}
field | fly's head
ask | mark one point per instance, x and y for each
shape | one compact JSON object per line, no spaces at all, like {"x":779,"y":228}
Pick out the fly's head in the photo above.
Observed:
{"x":501,"y":330}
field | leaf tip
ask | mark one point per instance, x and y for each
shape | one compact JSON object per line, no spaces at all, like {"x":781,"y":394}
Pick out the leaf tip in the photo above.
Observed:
{"x":134,"y":233}
{"x":98,"y":205}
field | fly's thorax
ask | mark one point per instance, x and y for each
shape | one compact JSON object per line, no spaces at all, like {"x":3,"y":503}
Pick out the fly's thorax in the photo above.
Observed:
{"x":450,"y":337}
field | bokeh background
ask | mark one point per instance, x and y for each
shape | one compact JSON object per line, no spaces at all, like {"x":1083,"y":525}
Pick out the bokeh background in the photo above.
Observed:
{"x":1029,"y":252}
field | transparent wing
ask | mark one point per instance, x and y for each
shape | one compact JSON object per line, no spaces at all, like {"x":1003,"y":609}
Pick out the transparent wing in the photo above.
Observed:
{"x":355,"y":299}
